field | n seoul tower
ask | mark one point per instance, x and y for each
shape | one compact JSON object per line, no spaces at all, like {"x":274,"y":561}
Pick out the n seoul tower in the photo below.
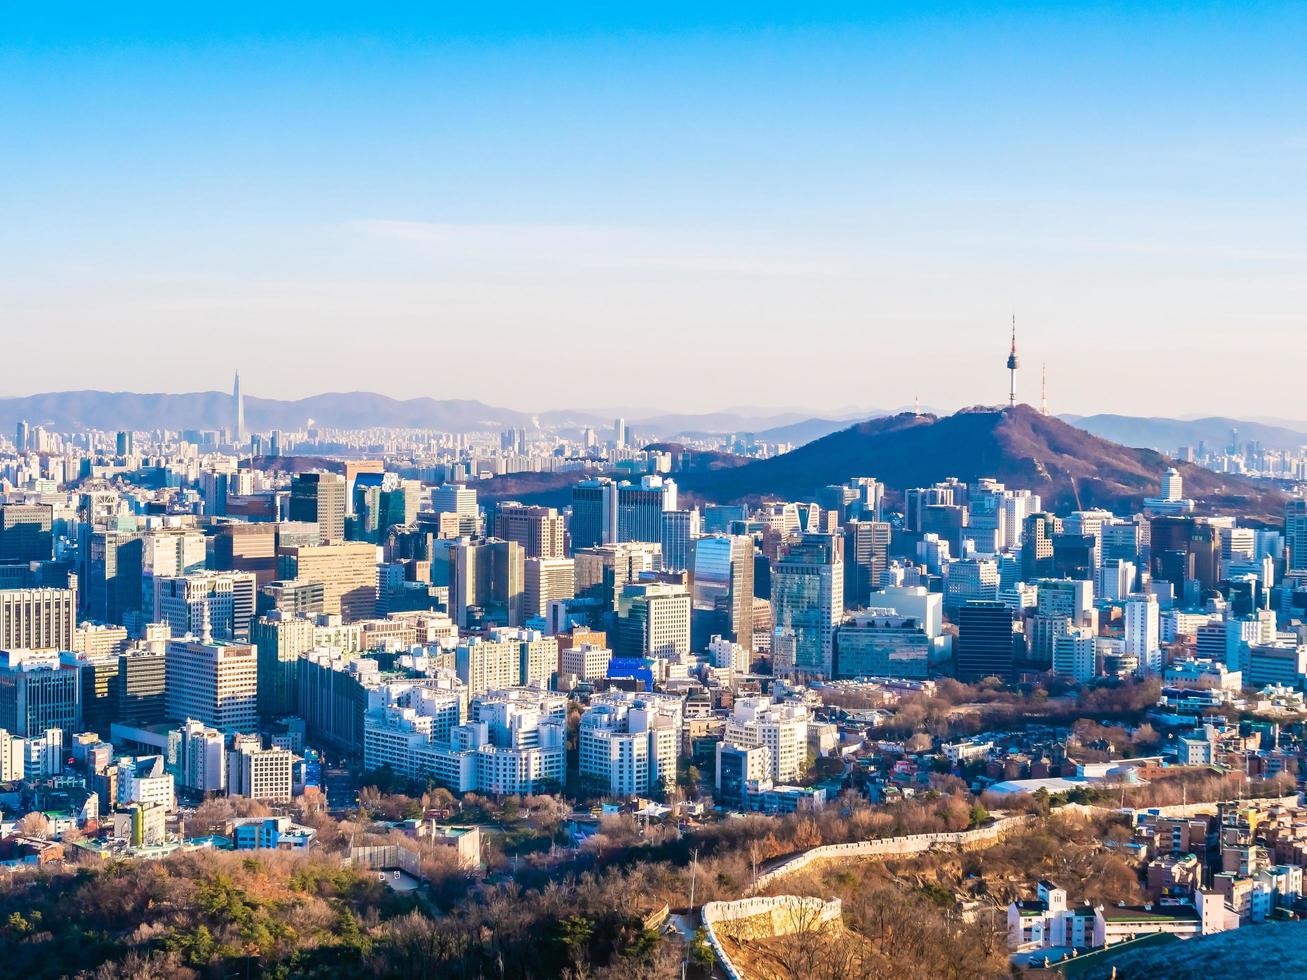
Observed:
{"x":1012,"y":364}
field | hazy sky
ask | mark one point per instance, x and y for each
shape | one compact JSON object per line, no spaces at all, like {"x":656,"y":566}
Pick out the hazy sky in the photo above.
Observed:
{"x":749,"y":205}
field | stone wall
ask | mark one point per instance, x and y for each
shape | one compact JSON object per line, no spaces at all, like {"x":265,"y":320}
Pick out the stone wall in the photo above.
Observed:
{"x":760,"y":918}
{"x":890,"y":847}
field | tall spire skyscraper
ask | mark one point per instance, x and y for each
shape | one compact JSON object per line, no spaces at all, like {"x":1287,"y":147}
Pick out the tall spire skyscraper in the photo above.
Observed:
{"x":1012,"y":364}
{"x":237,"y":411}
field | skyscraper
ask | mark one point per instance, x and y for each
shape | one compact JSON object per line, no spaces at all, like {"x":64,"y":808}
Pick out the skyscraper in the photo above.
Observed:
{"x":347,"y":572}
{"x":594,"y":513}
{"x":807,"y":589}
{"x":38,"y":692}
{"x":25,"y":533}
{"x":866,"y":553}
{"x":546,"y":580}
{"x":486,"y":576}
{"x":640,"y":508}
{"x":1295,"y":534}
{"x":237,"y":411}
{"x":539,"y":530}
{"x":722,"y":589}
{"x":320,"y":498}
{"x":216,"y":684}
{"x":37,"y":619}
{"x":984,"y":644}
{"x":680,"y":529}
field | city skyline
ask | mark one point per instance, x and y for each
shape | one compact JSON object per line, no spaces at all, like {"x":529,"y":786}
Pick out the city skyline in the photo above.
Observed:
{"x":809,"y":195}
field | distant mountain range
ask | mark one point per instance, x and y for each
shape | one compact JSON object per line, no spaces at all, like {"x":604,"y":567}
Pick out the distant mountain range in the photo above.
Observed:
{"x":1168,"y":435}
{"x":75,"y":410}
{"x":109,"y":410}
{"x":1067,"y":466}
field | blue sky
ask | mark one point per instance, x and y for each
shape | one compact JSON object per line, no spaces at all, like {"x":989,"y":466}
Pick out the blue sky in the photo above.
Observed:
{"x":751,"y":204}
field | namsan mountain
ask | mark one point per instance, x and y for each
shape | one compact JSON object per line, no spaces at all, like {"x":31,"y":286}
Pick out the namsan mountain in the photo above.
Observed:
{"x":1018,"y":446}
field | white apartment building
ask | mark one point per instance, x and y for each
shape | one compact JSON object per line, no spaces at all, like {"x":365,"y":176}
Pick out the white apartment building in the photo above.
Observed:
{"x":629,"y":742}
{"x":201,"y":754}
{"x":1075,"y":654}
{"x":586,"y":662}
{"x":144,"y":780}
{"x":781,"y":728}
{"x":516,"y":744}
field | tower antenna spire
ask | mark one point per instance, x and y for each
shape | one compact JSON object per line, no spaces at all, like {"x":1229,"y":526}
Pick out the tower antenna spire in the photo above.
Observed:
{"x":1012,"y":364}
{"x":1043,"y":388}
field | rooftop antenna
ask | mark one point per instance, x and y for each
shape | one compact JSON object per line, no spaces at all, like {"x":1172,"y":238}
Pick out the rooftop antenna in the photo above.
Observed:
{"x":1043,"y":388}
{"x":1012,"y":364}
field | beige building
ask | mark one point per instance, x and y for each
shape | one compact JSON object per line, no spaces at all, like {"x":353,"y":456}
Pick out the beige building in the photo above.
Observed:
{"x":213,"y":683}
{"x":486,"y":576}
{"x":546,"y":580}
{"x":37,"y":619}
{"x":261,"y":774}
{"x":347,"y":571}
{"x":96,"y":640}
{"x":539,"y":530}
{"x":585,"y":662}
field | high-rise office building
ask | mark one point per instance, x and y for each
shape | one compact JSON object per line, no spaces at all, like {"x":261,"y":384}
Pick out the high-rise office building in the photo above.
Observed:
{"x":539,"y":530}
{"x":1142,"y":621}
{"x":460,"y":500}
{"x":215,"y":487}
{"x":209,"y":605}
{"x":1074,"y":655}
{"x":653,"y":621}
{"x":22,"y":437}
{"x":807,"y":588}
{"x":38,"y":691}
{"x":858,"y":499}
{"x":1185,"y":549}
{"x":213,"y":683}
{"x":880,"y":643}
{"x":984,"y":643}
{"x":237,"y":411}
{"x":594,"y":513}
{"x":604,"y":512}
{"x":1295,"y":534}
{"x":721,"y":584}
{"x":866,"y":555}
{"x":1037,"y":545}
{"x":98,"y":689}
{"x":546,"y":580}
{"x":112,"y":568}
{"x":280,"y":639}
{"x":320,"y":498}
{"x":680,"y":529}
{"x":201,"y":754}
{"x":140,"y":686}
{"x":347,"y":571}
{"x":486,"y":582}
{"x":259,"y":773}
{"x":640,"y":508}
{"x":26,"y":533}
{"x":381,"y":501}
{"x":37,"y":619}
{"x":246,"y":547}
{"x":601,"y":571}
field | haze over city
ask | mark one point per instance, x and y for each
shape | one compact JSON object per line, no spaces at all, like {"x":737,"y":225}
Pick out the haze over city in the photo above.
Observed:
{"x":806,"y":193}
